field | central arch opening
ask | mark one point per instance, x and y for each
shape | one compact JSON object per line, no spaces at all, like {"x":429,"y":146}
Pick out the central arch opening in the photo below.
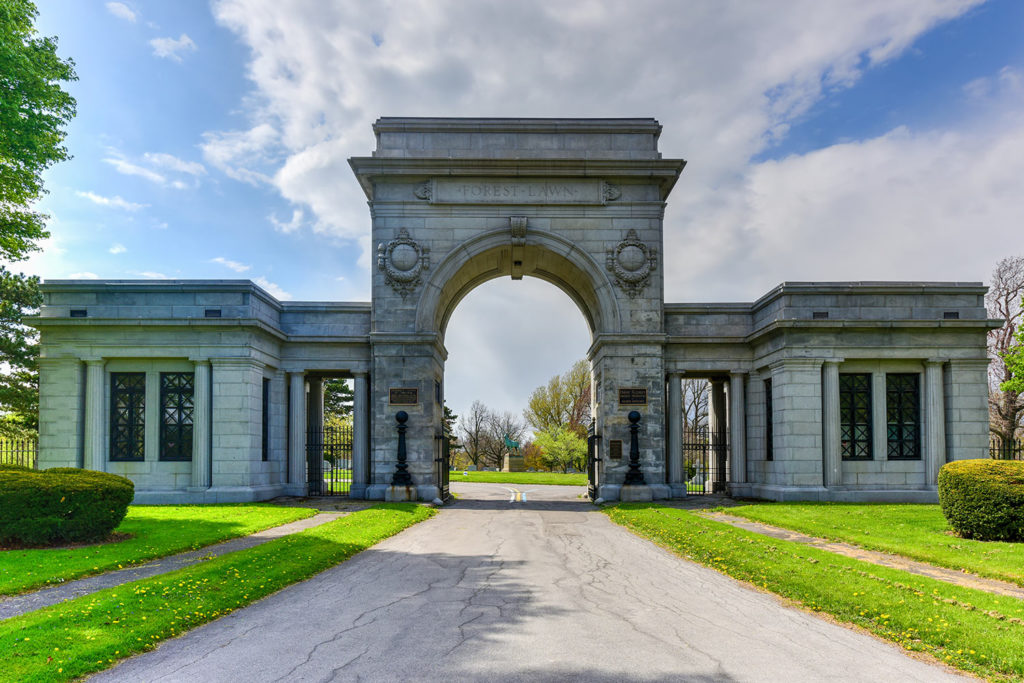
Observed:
{"x":508,"y":342}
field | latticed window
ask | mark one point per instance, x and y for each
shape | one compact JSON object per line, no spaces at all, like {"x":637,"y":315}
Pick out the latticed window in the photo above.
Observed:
{"x":177,"y":390}
{"x":855,"y":416}
{"x":127,"y":416}
{"x":903,"y":416}
{"x":769,"y":450}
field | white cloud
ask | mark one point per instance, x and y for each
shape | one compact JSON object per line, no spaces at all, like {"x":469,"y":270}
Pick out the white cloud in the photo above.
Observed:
{"x":128,"y":168}
{"x":726,"y":79}
{"x":291,"y":226}
{"x":149,"y":274}
{"x":83,"y":276}
{"x":122,"y":11}
{"x":237,"y":152}
{"x":273,"y":289}
{"x":172,"y":48}
{"x":173,"y":163}
{"x":114,"y":202}
{"x":117,"y":249}
{"x":233,"y":265}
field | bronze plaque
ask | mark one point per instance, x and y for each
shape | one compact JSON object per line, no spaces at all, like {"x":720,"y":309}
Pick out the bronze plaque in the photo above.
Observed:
{"x":632,"y":396}
{"x":403,"y":396}
{"x":615,"y":449}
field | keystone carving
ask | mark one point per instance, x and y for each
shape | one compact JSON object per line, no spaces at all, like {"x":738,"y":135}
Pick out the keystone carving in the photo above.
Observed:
{"x":610,"y":192}
{"x":424,"y":191}
{"x":403,"y":262}
{"x":631,"y":263}
{"x":518,"y":227}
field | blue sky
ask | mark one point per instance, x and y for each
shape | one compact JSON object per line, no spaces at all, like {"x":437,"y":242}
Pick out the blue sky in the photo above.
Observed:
{"x":843,"y":140}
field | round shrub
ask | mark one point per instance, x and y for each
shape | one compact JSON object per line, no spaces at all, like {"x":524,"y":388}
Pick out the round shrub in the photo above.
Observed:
{"x":60,"y":505}
{"x":984,"y":499}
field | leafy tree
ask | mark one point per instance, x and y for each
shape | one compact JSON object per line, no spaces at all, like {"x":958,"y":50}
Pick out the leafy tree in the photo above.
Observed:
{"x":1014,"y":361}
{"x":33,"y":113}
{"x":562,"y":448}
{"x":338,"y":397}
{"x":497,"y":427}
{"x":563,"y":402}
{"x":1004,"y":301}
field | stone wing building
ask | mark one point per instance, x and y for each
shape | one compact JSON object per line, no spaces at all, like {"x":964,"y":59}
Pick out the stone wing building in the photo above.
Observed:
{"x":212,"y":390}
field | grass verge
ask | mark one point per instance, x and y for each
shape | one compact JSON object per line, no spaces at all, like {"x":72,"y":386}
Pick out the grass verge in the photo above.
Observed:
{"x":157,"y":531}
{"x":919,"y":532}
{"x":970,"y":629}
{"x":93,"y":632}
{"x":543,"y":478}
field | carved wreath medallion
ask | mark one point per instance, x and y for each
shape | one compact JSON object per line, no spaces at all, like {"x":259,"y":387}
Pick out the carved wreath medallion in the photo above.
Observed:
{"x":403,"y":261}
{"x":631,"y":263}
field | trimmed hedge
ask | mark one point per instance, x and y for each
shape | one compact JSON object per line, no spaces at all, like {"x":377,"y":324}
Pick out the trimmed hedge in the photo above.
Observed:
{"x":60,"y":505}
{"x":984,"y":499}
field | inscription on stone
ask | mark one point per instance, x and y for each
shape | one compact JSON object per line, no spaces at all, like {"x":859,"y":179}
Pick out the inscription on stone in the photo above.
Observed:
{"x":403,"y":396}
{"x":632,"y":396}
{"x":470,"y":191}
{"x":615,"y":449}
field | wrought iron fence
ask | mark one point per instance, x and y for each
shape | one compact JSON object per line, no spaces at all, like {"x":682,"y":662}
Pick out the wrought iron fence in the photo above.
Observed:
{"x":24,"y":452}
{"x":705,"y":460}
{"x":1008,"y":449}
{"x":442,"y":465}
{"x":329,"y":461}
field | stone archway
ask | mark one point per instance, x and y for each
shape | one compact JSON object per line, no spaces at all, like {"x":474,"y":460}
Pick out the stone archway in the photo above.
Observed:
{"x":457,"y":202}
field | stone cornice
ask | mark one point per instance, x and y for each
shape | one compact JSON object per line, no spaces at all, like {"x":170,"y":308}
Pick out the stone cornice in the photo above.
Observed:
{"x":663,"y":171}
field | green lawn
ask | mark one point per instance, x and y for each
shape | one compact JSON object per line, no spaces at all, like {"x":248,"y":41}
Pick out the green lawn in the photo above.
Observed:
{"x":576,"y":479}
{"x":93,"y":632}
{"x":969,"y":629}
{"x":158,"y":530}
{"x":916,"y":531}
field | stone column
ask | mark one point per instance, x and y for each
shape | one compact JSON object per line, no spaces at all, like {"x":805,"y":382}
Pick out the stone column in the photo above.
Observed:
{"x":202,"y":410}
{"x":717,"y":433}
{"x":738,"y":427}
{"x":360,"y":435}
{"x":297,"y":434}
{"x":934,"y":421}
{"x":95,"y":457}
{"x":674,"y":436}
{"x":833,"y":462}
{"x":315,"y":409}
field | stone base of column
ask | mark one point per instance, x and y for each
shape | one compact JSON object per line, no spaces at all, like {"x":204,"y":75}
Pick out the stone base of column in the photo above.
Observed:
{"x":740,"y":491}
{"x":358,"y":491}
{"x":678,"y":490}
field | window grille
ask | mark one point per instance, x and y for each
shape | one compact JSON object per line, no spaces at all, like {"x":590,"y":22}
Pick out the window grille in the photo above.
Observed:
{"x":769,"y":431}
{"x":177,"y":391}
{"x":903,"y":416}
{"x":266,"y":419}
{"x":855,"y":416}
{"x":127,"y":416}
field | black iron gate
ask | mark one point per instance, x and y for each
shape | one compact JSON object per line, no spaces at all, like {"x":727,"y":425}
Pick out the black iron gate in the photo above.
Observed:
{"x":329,"y":461}
{"x":442,"y":465}
{"x":593,"y":456}
{"x":705,"y":461}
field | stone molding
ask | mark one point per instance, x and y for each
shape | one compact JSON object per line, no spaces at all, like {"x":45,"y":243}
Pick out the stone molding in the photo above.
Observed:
{"x":631,"y":263}
{"x":403,"y":261}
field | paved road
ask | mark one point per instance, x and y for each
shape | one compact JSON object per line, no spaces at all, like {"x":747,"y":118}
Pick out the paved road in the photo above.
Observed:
{"x":545,"y":589}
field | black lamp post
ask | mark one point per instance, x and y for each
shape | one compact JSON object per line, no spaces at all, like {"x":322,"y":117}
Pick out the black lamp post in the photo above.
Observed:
{"x":401,"y":477}
{"x":635,"y":476}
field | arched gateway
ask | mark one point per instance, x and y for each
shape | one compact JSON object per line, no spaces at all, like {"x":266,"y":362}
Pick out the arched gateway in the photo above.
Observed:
{"x":207,"y":390}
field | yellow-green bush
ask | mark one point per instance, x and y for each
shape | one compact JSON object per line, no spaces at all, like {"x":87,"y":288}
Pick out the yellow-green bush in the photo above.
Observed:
{"x":984,"y":499}
{"x":60,"y":505}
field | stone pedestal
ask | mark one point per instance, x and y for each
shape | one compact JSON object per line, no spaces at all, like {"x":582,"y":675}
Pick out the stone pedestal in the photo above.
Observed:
{"x":513,"y":463}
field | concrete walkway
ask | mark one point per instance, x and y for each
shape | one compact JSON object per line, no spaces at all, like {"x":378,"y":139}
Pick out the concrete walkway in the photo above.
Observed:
{"x":28,"y":602}
{"x":497,"y":589}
